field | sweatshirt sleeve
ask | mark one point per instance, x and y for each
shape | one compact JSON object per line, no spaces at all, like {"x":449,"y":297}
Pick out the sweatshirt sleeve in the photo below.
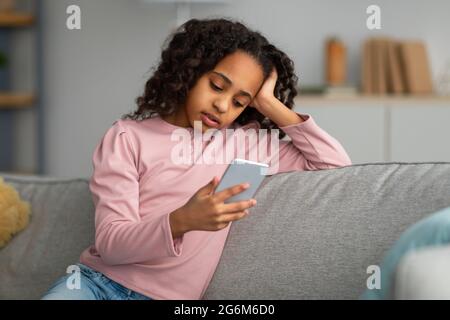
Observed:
{"x":310,"y":148}
{"x":121,"y":236}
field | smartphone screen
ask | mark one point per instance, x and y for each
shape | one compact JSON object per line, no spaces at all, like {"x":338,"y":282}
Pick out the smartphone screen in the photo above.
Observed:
{"x":241,"y":171}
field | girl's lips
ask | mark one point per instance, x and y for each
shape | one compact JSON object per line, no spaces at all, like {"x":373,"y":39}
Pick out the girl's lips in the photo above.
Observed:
{"x":210,"y":123}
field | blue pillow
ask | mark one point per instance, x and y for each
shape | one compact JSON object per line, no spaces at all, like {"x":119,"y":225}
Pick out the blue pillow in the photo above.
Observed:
{"x":433,"y":230}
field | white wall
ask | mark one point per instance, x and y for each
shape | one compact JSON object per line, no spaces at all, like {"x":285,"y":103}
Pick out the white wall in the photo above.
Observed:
{"x":93,"y":75}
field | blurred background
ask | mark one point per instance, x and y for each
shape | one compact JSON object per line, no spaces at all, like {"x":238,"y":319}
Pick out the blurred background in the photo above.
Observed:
{"x":383,"y":93}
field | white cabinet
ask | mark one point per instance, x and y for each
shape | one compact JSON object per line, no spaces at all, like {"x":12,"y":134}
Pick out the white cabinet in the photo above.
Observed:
{"x":420,"y":133}
{"x":384,"y":129}
{"x":359,"y":130}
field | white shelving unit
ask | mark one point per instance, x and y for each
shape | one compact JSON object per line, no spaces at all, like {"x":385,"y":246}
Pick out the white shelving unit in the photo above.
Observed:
{"x":384,"y":129}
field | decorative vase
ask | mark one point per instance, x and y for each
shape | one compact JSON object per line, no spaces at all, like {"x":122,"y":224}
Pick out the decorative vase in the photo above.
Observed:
{"x":335,"y":62}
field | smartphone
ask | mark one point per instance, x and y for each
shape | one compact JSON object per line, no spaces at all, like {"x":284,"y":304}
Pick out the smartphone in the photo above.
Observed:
{"x":241,"y":171}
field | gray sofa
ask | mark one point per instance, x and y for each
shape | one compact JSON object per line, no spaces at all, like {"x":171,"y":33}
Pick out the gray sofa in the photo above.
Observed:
{"x":312,"y":234}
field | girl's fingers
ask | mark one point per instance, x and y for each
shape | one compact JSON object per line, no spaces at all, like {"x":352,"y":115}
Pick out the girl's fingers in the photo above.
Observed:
{"x":228,"y":217}
{"x":238,"y":206}
{"x":229,"y":192}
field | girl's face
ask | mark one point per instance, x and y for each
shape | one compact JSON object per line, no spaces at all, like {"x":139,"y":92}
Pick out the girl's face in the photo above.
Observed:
{"x":222,"y":93}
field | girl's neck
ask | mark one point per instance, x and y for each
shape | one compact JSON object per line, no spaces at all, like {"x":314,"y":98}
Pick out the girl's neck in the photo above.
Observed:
{"x":178,"y":118}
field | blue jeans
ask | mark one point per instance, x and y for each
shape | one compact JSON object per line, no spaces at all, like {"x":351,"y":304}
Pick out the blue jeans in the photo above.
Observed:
{"x":93,"y":285}
{"x":433,"y":230}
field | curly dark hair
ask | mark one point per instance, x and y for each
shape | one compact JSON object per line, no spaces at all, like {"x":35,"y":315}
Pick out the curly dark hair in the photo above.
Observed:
{"x":195,"y":48}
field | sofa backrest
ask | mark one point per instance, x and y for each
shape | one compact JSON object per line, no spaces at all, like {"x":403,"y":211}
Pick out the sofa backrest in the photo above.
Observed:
{"x":312,"y":234}
{"x":61,"y":227}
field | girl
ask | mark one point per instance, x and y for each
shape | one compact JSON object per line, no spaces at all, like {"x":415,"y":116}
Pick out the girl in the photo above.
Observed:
{"x":160,"y":225}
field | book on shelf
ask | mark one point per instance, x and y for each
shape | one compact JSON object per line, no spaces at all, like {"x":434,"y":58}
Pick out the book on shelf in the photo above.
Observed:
{"x":417,"y":70}
{"x":395,"y":82}
{"x":379,"y":63}
{"x":395,"y":67}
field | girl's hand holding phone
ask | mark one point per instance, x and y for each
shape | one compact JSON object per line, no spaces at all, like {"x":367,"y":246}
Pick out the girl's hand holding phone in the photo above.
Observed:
{"x":207,"y":211}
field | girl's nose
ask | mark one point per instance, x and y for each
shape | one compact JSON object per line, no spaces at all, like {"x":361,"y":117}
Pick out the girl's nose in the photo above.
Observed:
{"x":221,"y":106}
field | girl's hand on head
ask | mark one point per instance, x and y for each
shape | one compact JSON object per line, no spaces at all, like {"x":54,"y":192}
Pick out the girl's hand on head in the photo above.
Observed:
{"x":207,"y":211}
{"x":266,"y":92}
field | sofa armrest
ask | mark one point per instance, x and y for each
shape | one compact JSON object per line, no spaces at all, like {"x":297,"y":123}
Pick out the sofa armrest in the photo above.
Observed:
{"x":423,"y":275}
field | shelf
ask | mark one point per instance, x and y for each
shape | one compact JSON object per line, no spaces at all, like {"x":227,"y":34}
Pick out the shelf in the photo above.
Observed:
{"x":360,"y":98}
{"x":16,"y":100}
{"x":13,"y":25}
{"x":16,"y":19}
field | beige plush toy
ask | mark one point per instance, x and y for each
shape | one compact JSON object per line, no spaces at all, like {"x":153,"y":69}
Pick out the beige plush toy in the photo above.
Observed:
{"x":14,"y":213}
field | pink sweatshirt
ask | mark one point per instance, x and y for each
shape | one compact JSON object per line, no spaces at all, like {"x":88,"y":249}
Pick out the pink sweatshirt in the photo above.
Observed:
{"x":135,"y":186}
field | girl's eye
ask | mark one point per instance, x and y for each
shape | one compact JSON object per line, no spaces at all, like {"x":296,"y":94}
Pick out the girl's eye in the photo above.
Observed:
{"x":220,"y":89}
{"x":238,"y":104}
{"x":215,"y":87}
